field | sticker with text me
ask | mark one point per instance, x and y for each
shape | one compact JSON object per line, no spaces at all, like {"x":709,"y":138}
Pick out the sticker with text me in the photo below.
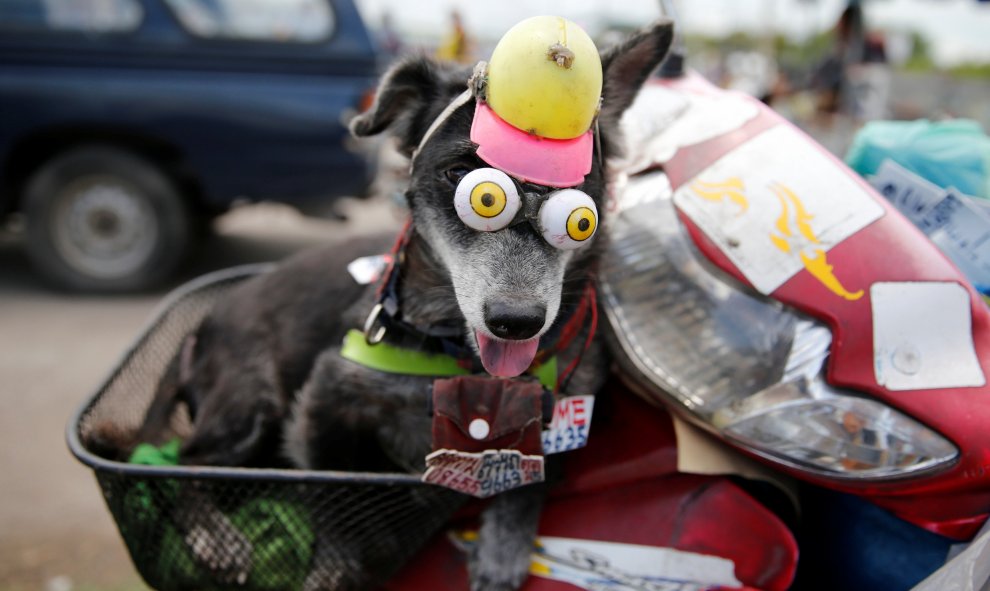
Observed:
{"x":570,"y":425}
{"x":482,"y":474}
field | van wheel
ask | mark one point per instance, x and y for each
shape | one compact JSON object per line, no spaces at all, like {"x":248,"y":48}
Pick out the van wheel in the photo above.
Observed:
{"x":102,"y":219}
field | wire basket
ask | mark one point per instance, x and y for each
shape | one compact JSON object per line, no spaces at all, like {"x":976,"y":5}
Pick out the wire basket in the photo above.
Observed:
{"x":199,"y":527}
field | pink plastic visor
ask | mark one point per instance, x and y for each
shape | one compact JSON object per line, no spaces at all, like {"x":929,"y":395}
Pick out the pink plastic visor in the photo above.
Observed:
{"x":530,"y":158}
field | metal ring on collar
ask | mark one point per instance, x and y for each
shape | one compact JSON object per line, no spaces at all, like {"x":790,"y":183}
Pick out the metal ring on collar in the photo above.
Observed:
{"x":370,"y":323}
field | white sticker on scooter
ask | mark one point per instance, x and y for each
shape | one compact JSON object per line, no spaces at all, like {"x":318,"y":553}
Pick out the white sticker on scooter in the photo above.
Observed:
{"x":595,"y":565}
{"x":570,"y":425}
{"x":923,"y":336}
{"x":776,"y":205}
{"x":661,"y":121}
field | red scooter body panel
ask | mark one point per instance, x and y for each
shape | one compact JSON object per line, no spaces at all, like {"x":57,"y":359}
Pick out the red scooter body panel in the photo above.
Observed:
{"x":623,"y":488}
{"x":702,"y":515}
{"x":955,"y":501}
{"x":630,"y":441}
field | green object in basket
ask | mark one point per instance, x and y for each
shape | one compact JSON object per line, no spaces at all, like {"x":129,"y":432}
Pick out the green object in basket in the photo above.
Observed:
{"x":149,"y":455}
{"x":281,"y":542}
{"x":278,"y":532}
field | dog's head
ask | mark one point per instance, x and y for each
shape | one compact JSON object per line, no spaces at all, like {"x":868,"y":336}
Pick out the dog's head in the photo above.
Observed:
{"x":510,"y":284}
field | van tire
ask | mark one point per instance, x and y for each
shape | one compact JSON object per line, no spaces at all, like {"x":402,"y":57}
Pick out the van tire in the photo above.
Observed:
{"x":101,"y":219}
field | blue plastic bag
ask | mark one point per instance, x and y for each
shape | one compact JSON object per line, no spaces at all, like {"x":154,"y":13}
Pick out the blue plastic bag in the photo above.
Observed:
{"x":954,"y":153}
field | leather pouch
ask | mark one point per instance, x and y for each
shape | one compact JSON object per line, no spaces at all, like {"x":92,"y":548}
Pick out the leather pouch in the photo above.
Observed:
{"x":486,"y":434}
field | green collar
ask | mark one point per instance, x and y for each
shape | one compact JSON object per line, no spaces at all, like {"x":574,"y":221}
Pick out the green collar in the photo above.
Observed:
{"x":391,"y":359}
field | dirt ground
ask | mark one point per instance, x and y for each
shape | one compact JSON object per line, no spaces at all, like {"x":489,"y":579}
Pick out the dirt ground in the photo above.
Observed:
{"x":55,"y":531}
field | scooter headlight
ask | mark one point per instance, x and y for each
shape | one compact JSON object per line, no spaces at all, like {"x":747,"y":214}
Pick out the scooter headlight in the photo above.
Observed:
{"x":741,"y":365}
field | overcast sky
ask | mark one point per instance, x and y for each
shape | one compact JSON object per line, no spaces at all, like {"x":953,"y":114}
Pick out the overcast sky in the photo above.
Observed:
{"x":959,"y":30}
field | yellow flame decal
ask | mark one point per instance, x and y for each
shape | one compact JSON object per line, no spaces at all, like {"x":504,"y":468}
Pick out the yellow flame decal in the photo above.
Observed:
{"x":793,"y":216}
{"x":780,"y":243}
{"x":817,"y":265}
{"x":822,"y":271}
{"x":731,"y":189}
{"x":801,"y":215}
{"x":782,"y":223}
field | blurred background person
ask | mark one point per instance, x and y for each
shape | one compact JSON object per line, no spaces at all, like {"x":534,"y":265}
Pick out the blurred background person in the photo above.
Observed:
{"x":457,"y":45}
{"x":853,"y":80}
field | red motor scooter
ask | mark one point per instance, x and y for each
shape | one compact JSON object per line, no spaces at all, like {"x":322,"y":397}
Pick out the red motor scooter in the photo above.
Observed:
{"x":761,"y":291}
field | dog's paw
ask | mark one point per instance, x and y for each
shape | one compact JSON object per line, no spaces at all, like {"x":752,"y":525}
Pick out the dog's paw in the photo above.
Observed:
{"x":500,"y":559}
{"x":494,"y":567}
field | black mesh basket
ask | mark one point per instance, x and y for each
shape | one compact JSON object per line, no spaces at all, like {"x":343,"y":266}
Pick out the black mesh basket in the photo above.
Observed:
{"x":238,"y":528}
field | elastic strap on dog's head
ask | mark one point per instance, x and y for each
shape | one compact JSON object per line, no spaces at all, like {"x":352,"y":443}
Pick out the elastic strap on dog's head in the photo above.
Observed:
{"x":458,"y":102}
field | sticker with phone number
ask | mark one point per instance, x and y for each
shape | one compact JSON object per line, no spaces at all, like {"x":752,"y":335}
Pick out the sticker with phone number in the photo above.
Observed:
{"x":570,"y":425}
{"x":482,"y":474}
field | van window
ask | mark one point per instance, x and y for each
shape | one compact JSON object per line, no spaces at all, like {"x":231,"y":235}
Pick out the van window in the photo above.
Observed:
{"x":297,"y":21}
{"x":86,"y":16}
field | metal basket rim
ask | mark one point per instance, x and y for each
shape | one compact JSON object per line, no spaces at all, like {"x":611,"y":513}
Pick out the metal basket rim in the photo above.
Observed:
{"x":97,"y":463}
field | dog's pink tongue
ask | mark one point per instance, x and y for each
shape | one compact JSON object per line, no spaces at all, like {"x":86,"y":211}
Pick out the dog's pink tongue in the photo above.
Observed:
{"x":506,"y":359}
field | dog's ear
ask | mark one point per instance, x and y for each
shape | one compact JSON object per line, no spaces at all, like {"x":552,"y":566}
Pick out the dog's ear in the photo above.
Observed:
{"x":408,"y":94}
{"x":625,"y":67}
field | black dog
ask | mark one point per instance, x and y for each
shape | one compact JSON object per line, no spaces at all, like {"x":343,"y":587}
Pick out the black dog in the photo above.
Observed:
{"x":454,"y":276}
{"x":281,"y":333}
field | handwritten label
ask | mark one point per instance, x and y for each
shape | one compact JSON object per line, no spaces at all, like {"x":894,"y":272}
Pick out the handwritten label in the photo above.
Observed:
{"x":909,"y":193}
{"x":482,"y":474}
{"x":962,"y":231}
{"x":570,"y":425}
{"x":612,"y":566}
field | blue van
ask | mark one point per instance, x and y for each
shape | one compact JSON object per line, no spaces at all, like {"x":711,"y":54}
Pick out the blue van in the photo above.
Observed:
{"x":125,"y":123}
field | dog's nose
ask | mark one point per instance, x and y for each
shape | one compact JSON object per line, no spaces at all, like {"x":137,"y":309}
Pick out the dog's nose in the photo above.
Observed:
{"x":514,"y":320}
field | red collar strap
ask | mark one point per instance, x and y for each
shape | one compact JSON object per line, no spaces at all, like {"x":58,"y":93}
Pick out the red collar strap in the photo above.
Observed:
{"x":588,"y":306}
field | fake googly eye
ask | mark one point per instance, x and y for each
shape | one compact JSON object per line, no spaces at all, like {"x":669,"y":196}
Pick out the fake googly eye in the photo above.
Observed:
{"x":486,"y":199}
{"x":568,"y":219}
